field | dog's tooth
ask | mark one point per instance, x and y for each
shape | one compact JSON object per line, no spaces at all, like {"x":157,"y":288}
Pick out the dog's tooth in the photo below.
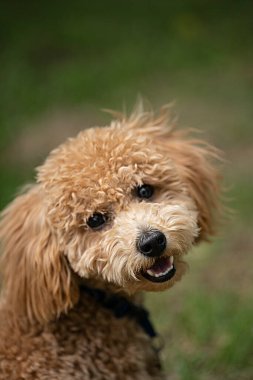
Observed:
{"x":150,"y":272}
{"x":171,"y":259}
{"x":153,"y":274}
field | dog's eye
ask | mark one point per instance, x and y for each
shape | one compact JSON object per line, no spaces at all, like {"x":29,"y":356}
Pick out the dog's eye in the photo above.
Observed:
{"x":145,"y":191}
{"x":96,"y":220}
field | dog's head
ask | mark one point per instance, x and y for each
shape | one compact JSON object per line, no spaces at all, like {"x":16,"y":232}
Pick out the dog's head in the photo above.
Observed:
{"x":118,"y":206}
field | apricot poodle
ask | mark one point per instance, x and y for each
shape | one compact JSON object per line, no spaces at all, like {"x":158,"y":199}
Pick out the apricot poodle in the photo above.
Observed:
{"x":112,"y":214}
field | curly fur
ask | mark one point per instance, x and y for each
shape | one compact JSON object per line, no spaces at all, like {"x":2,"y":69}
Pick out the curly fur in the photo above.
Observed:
{"x":48,"y":328}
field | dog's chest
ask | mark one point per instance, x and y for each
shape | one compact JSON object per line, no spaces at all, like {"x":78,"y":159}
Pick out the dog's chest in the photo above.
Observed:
{"x":88,"y":343}
{"x":101,"y":346}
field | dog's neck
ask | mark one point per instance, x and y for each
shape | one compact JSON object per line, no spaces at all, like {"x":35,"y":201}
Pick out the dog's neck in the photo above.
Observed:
{"x":120,"y":306}
{"x":110,"y":289}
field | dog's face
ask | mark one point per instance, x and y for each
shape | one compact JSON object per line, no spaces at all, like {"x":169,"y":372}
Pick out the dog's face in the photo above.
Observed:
{"x":122,"y":208}
{"x":119,"y":206}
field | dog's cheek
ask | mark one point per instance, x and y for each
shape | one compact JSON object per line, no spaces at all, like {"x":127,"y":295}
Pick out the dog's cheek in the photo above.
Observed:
{"x":118,"y":268}
{"x":83,"y":252}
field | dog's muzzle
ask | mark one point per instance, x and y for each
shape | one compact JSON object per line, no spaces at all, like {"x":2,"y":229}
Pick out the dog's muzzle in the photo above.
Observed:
{"x":152,"y":244}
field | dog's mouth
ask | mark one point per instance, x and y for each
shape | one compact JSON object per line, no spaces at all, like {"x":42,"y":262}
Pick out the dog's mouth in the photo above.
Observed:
{"x":162,"y":270}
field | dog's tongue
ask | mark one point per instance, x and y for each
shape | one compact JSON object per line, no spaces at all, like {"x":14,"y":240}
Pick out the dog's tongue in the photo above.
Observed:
{"x":161,"y":265}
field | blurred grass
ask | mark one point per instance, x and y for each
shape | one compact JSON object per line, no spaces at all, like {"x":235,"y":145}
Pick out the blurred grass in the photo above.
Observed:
{"x":206,"y":321}
{"x":91,"y":55}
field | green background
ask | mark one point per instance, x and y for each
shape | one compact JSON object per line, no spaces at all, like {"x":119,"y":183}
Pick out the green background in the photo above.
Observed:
{"x":61,"y":62}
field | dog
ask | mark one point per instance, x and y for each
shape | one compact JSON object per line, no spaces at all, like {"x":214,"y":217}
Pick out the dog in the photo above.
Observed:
{"x":112,"y":214}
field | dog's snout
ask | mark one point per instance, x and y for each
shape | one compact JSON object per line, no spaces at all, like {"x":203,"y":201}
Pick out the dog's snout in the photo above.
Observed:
{"x":151,"y":243}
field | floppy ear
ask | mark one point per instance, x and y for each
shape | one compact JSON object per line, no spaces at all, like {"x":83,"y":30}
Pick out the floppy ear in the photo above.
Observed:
{"x":196,"y":163}
{"x":37,"y":280}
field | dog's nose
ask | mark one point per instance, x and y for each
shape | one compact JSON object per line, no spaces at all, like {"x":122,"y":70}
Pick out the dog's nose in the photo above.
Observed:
{"x":151,"y":243}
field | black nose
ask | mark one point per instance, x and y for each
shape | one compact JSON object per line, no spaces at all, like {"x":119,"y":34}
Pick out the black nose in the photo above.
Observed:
{"x":151,"y":243}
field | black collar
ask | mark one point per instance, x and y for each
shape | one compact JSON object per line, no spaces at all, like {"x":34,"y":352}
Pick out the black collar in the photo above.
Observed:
{"x":121,"y":307}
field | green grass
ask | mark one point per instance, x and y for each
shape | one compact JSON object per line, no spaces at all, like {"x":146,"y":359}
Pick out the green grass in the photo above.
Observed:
{"x":54,"y":54}
{"x":91,"y":55}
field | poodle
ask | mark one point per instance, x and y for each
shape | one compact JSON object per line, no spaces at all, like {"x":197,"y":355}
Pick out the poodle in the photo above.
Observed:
{"x":112,"y":214}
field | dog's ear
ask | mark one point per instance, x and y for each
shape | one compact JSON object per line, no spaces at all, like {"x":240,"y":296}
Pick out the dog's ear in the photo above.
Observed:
{"x":37,"y":280}
{"x":196,"y":163}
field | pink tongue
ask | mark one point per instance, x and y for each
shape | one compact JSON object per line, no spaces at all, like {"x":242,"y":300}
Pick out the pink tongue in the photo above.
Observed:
{"x":161,"y":265}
